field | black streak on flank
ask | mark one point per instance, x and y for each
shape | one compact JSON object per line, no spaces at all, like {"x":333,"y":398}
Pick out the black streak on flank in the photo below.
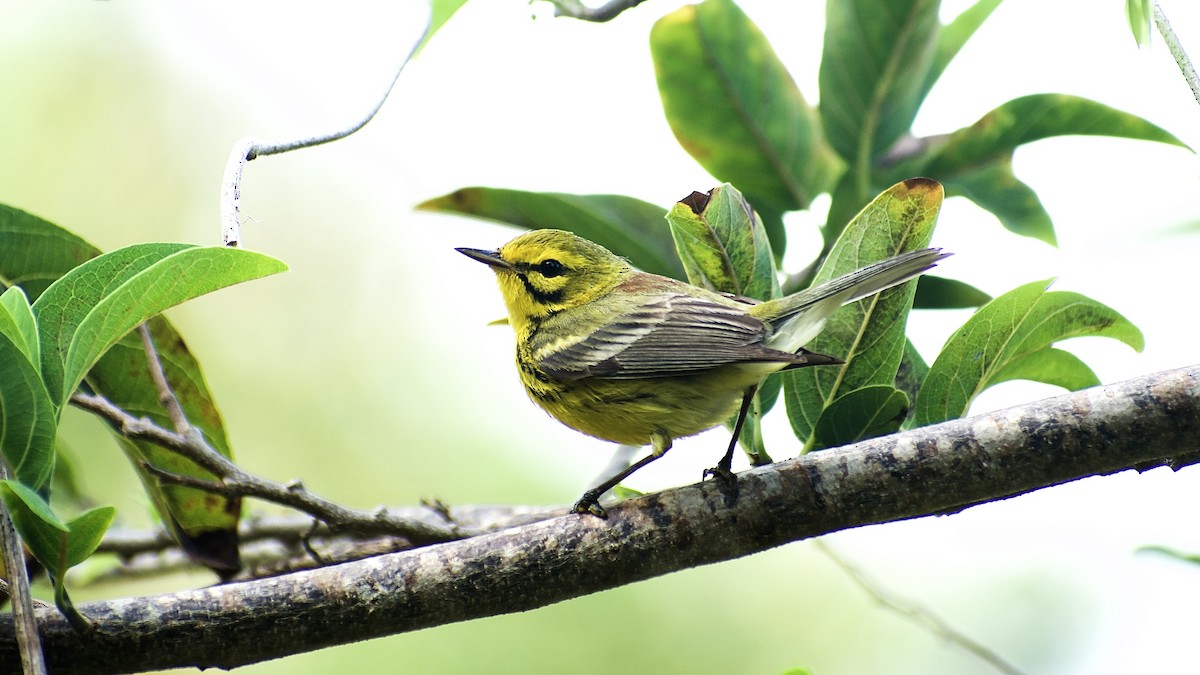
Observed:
{"x":697,"y":202}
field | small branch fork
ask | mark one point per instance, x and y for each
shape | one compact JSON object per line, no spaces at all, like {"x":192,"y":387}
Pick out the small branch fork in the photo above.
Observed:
{"x":233,"y":481}
{"x":187,"y":441}
{"x":251,"y":148}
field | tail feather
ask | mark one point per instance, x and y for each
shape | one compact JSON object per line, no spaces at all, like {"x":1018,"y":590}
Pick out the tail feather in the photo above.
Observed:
{"x":798,"y":318}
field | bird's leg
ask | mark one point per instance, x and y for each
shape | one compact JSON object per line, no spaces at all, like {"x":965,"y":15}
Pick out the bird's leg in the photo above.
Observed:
{"x":660,"y":442}
{"x":723,"y":471}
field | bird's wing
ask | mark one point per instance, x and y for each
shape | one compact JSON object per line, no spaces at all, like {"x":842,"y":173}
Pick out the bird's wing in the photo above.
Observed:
{"x":665,"y":335}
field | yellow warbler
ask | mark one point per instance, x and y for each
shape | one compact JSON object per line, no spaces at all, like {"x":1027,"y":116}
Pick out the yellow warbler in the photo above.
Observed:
{"x":638,"y":358}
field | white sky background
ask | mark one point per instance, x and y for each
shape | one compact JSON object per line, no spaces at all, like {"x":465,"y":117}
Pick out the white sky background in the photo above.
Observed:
{"x":507,"y":96}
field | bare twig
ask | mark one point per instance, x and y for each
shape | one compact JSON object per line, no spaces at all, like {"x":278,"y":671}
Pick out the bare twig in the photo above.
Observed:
{"x":251,"y":148}
{"x":1176,"y":49}
{"x":575,"y":9}
{"x":33,"y":661}
{"x":166,"y":397}
{"x":919,"y":615}
{"x":287,"y":530}
{"x":1144,"y":423}
{"x":233,"y":481}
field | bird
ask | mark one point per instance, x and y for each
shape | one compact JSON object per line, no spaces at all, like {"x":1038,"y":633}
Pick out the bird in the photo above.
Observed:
{"x":642,"y":359}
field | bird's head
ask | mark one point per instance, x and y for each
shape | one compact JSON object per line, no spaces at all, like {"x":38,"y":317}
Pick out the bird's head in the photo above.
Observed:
{"x":544,"y":272}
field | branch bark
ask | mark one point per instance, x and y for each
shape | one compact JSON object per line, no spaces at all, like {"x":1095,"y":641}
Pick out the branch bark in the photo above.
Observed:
{"x":1139,"y":424}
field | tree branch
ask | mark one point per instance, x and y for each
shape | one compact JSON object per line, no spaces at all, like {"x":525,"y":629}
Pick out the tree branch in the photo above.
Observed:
{"x":1177,"y":52}
{"x":1139,"y":424}
{"x":233,"y":481}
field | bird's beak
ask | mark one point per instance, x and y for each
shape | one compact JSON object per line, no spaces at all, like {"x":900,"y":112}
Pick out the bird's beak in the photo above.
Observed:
{"x":489,"y":258}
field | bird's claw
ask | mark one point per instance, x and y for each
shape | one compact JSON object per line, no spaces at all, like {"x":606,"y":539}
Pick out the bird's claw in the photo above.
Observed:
{"x":726,"y":481}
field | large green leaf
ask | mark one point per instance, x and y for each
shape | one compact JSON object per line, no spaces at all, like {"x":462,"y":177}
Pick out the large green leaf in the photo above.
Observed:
{"x":864,"y":413}
{"x":994,"y":187}
{"x":28,"y":419}
{"x":19,"y":325}
{"x":1031,"y":118}
{"x":626,"y":226}
{"x":934,"y":292}
{"x":94,"y":305}
{"x":733,"y":106}
{"x":723,"y":245}
{"x":869,"y":334}
{"x":876,"y":58}
{"x":1009,"y":338}
{"x":204,"y":524}
{"x":724,"y":248}
{"x":57,"y":545}
{"x":35,"y":254}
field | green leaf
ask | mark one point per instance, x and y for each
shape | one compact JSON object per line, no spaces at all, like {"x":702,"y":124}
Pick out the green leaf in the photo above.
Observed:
{"x":58,"y":546}
{"x":913,"y":370}
{"x":953,"y":36}
{"x":724,"y":248}
{"x":723,"y":245}
{"x":875,"y":62}
{"x":94,"y":305}
{"x":864,"y":413}
{"x":733,"y":106}
{"x":1138,"y":13}
{"x":28,"y":419}
{"x":624,"y":225}
{"x":18,"y":324}
{"x":204,"y":523}
{"x":35,"y":254}
{"x":86,"y":531}
{"x":869,"y":334}
{"x":1051,"y":366}
{"x":1031,"y":118}
{"x":994,"y":187}
{"x":27,"y":507}
{"x":1021,"y":324}
{"x":935,"y":292}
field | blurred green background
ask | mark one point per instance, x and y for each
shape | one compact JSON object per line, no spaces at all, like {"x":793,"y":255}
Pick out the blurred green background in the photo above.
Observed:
{"x":368,"y":370}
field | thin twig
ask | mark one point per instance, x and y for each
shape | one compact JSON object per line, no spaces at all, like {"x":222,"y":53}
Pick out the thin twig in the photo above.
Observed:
{"x":1176,"y":49}
{"x":288,"y":529}
{"x":166,"y":397}
{"x":919,"y":615}
{"x":251,"y":148}
{"x":33,"y":661}
{"x":231,"y":480}
{"x":606,"y":12}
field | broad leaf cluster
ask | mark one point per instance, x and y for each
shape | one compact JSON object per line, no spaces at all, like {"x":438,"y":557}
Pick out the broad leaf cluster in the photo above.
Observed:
{"x":77,"y":334}
{"x":733,"y":105}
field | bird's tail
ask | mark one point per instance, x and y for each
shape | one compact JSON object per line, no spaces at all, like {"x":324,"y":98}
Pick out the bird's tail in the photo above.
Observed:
{"x":799,"y":317}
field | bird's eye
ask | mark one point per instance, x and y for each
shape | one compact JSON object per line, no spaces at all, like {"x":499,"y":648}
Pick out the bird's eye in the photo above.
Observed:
{"x":551,"y":268}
